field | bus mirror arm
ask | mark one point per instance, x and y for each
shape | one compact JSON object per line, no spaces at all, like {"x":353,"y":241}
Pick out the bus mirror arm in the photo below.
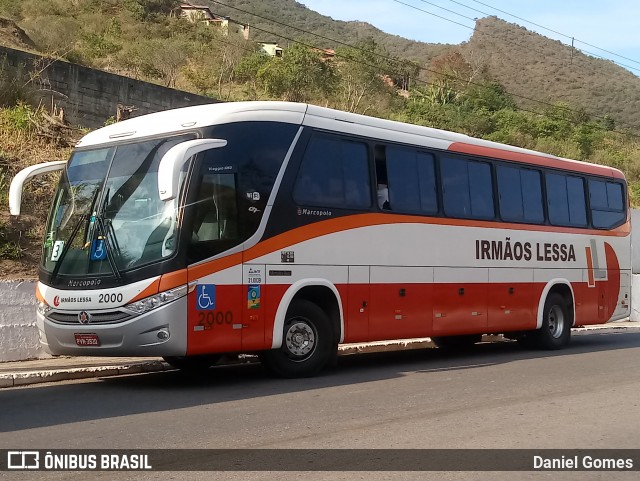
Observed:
{"x":15,"y":190}
{"x":172,"y":162}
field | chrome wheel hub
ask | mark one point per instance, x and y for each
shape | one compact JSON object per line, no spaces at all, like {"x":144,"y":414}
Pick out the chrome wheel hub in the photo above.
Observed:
{"x":556,"y":321}
{"x":300,"y":339}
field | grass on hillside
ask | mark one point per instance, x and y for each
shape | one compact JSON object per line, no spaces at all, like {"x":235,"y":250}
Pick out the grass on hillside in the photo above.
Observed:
{"x":21,"y":146}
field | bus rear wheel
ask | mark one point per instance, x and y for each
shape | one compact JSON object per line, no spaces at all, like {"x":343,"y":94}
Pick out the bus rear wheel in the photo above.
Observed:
{"x":308,"y":342}
{"x":456,"y":342}
{"x":555,"y":331}
{"x":197,"y":363}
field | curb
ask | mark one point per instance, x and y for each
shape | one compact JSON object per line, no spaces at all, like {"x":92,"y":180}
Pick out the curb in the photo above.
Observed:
{"x":66,"y":374}
{"x":136,"y":367}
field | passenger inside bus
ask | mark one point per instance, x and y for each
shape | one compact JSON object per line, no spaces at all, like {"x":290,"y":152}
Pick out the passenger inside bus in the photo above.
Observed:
{"x":380,"y":158}
{"x":383,"y":197}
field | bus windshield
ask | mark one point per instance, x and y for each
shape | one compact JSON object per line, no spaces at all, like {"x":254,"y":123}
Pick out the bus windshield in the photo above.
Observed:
{"x":107,"y":216}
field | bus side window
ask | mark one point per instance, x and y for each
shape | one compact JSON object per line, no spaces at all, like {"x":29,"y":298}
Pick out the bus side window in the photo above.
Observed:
{"x":355,"y":168}
{"x":334,"y":172}
{"x":467,"y":188}
{"x":205,"y":218}
{"x":411,"y":180}
{"x":607,"y":204}
{"x":382,"y":179}
{"x":566,"y":200}
{"x":520,"y":194}
{"x":215,"y":215}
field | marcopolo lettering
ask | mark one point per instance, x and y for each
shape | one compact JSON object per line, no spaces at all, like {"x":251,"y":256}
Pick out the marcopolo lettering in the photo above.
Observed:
{"x":524,"y":251}
{"x":316,"y":212}
{"x":84,"y":282}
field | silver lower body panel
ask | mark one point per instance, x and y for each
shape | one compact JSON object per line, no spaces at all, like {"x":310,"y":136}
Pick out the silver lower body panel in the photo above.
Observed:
{"x":160,"y":332}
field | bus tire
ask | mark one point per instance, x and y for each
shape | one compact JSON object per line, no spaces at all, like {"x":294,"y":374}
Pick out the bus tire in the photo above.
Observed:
{"x":555,"y":331}
{"x":308,"y":342}
{"x":456,"y":342}
{"x":197,"y":363}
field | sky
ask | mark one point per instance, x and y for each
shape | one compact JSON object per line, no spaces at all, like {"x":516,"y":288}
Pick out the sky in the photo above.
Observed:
{"x":611,"y":25}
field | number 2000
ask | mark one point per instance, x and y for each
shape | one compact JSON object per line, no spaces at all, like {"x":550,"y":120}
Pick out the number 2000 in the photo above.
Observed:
{"x":110,"y":298}
{"x":210,"y":318}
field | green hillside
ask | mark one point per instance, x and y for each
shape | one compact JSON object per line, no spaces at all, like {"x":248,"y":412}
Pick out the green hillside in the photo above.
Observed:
{"x":527,"y":64}
{"x":533,"y":66}
{"x":293,"y":19}
{"x":140,"y":38}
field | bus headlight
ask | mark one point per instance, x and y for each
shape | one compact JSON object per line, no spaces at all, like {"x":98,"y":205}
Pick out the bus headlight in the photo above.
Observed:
{"x":157,"y":300}
{"x":42,"y":308}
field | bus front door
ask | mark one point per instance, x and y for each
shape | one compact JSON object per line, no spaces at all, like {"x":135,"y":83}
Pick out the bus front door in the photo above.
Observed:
{"x":214,"y":317}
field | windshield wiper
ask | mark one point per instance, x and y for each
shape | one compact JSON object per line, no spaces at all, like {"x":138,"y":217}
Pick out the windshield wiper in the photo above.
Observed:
{"x":83,"y":218}
{"x":108,"y":237}
{"x":107,"y":234}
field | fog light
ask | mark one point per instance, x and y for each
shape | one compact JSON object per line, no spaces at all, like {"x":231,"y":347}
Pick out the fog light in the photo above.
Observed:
{"x":163,"y":335}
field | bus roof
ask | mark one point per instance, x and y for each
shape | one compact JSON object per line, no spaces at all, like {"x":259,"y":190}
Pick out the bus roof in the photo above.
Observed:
{"x":188,"y":118}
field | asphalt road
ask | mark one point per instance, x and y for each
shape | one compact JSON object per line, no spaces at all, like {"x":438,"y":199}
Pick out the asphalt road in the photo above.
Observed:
{"x":498,"y":396}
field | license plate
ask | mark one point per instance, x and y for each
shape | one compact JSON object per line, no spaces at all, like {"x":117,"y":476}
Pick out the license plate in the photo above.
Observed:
{"x":87,"y":339}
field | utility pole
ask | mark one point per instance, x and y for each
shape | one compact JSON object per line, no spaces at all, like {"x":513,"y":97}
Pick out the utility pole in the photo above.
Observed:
{"x":571,"y":60}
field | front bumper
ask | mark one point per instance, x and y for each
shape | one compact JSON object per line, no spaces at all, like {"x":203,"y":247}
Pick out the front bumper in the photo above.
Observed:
{"x":144,"y":335}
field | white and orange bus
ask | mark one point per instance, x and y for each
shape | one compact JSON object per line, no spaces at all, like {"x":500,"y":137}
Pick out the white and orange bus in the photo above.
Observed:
{"x":285,"y":229}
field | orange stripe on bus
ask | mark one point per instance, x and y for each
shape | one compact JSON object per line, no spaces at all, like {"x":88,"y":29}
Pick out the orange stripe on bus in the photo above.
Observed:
{"x":216,"y":265}
{"x":150,"y":290}
{"x":540,"y":160}
{"x":330,"y":226}
{"x":39,"y":296}
{"x":173,"y":279}
{"x":319,"y":229}
{"x":339,"y":224}
{"x":592,"y":279}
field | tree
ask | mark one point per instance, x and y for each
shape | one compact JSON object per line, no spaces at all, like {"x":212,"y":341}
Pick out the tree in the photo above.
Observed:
{"x":214,"y":65}
{"x":450,"y":76}
{"x":248,"y":68}
{"x":157,"y":58}
{"x":146,"y":9}
{"x":364,"y":73}
{"x":404,"y":73}
{"x":298,"y":75}
{"x":491,"y":96}
{"x":169,"y":57}
{"x":587,"y":136}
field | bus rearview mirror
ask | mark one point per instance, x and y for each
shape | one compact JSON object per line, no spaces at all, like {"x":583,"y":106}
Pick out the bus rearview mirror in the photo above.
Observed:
{"x":172,"y":162}
{"x":15,"y":190}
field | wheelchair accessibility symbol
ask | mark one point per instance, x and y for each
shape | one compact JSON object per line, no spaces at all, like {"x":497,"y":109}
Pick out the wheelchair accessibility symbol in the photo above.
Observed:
{"x":206,"y":297}
{"x":98,"y":250}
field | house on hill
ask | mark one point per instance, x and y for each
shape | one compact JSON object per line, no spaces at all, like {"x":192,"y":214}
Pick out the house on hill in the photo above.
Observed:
{"x":202,"y":13}
{"x":271,"y":48}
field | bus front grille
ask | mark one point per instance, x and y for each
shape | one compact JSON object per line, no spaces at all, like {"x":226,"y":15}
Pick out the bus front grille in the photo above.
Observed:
{"x":108,"y":317}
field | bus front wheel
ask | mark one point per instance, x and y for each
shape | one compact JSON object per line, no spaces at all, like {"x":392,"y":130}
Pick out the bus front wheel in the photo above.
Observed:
{"x":555,"y":331}
{"x":308,"y":343}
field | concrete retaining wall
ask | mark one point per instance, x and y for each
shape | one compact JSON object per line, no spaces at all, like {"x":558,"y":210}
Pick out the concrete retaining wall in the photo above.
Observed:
{"x":89,"y":96}
{"x":18,"y":331}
